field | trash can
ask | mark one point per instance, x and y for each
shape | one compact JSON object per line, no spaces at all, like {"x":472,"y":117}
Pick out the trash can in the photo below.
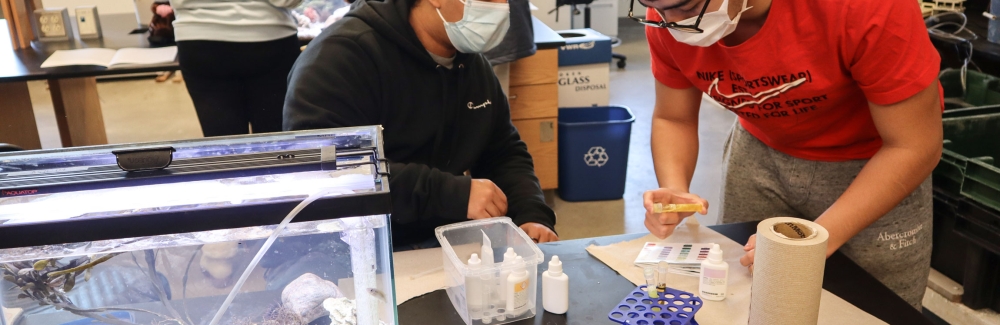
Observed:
{"x":593,"y":152}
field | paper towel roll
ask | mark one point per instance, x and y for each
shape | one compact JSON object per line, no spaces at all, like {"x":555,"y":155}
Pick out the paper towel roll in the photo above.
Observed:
{"x":788,"y":272}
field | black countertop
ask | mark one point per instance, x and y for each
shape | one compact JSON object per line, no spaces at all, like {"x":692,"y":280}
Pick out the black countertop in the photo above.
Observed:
{"x":591,"y":304}
{"x":25,"y":64}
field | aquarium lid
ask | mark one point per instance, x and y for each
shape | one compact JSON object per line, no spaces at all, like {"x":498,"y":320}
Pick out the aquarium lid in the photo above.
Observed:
{"x":67,"y":196}
{"x":87,"y":168}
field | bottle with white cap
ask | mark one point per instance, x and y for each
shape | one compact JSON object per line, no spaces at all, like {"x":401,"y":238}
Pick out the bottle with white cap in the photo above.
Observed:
{"x":508,"y":262}
{"x":714,"y":276}
{"x":474,"y":288}
{"x":518,"y":285}
{"x":555,"y":288}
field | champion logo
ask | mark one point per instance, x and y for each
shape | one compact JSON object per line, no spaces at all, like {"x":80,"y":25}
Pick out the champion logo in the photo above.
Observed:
{"x":17,"y":192}
{"x":579,"y":46}
{"x":483,"y":105}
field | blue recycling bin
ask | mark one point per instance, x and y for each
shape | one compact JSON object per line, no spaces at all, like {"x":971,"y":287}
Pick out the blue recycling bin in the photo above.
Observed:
{"x":593,"y":152}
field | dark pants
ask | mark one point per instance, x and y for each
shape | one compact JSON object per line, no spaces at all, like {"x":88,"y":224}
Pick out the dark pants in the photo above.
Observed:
{"x":236,"y":85}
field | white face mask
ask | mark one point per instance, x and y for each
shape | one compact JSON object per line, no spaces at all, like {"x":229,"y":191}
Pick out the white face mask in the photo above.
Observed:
{"x":483,"y":26}
{"x":715,"y":24}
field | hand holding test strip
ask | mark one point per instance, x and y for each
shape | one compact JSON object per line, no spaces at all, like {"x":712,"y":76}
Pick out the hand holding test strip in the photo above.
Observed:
{"x":666,"y":208}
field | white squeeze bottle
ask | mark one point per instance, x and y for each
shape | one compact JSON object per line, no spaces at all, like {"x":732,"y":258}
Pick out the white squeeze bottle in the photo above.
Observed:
{"x":555,"y":288}
{"x":714,"y":276}
{"x":508,"y":262}
{"x":474,"y":288}
{"x":518,"y":285}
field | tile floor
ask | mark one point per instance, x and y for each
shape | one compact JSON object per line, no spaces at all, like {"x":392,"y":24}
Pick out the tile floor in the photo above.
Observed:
{"x":142,"y":110}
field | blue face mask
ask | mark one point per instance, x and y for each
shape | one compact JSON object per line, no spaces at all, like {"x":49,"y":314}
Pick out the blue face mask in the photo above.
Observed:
{"x":483,"y":26}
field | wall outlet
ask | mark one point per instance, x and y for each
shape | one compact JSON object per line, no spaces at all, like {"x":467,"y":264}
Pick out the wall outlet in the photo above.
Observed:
{"x":88,"y":22}
{"x":52,"y":24}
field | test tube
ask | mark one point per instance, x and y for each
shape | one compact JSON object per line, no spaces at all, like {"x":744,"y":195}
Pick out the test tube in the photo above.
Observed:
{"x":500,"y":305}
{"x":661,"y":285}
{"x":650,"y":275}
{"x":681,"y":207}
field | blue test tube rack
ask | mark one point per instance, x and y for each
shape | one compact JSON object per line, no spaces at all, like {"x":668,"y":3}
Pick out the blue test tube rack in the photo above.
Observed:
{"x":670,"y":307}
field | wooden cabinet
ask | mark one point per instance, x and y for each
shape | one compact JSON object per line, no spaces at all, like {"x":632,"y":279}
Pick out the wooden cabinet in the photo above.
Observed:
{"x":541,"y":68}
{"x":533,"y":101}
{"x":542,"y":137}
{"x":534,"y":109}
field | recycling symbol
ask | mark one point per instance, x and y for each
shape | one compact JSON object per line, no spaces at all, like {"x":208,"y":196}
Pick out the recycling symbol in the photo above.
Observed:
{"x":596,"y":156}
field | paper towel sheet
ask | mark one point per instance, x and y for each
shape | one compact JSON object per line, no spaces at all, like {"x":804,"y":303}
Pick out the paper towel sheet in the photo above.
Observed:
{"x":736,"y":308}
{"x":425,"y":263}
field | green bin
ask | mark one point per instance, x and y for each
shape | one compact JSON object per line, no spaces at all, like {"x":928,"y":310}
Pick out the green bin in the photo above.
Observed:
{"x":968,"y":164}
{"x":980,"y":89}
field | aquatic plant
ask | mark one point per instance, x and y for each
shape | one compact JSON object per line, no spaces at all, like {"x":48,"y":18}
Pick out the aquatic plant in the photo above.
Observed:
{"x":46,"y":281}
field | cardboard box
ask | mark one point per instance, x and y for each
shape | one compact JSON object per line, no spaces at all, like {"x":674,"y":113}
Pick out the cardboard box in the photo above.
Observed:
{"x":585,"y":85}
{"x":584,"y":46}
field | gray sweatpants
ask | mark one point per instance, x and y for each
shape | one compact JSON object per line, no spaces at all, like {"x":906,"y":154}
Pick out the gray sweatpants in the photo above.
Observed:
{"x":761,"y":182}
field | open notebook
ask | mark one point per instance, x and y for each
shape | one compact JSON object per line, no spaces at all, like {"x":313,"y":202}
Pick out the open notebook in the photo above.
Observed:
{"x":110,"y":58}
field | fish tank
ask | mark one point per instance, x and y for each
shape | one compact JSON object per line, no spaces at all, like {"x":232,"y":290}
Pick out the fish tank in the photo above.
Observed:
{"x":281,"y":228}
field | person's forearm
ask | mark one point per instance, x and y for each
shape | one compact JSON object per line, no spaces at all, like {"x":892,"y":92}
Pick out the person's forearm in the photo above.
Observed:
{"x":675,"y":152}
{"x":422,"y":193}
{"x":889,"y":177}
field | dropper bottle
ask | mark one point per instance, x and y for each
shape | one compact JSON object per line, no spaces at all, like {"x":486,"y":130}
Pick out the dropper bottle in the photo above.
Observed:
{"x":505,"y":267}
{"x":714,"y":276}
{"x":518,"y":286}
{"x":474,"y":288}
{"x":555,"y":288}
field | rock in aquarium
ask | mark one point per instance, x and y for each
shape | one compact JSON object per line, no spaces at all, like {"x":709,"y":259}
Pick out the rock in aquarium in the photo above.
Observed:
{"x":306,"y":294}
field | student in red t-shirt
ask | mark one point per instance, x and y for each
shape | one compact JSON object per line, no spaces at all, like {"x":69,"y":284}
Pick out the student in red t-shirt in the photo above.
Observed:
{"x":839,"y":120}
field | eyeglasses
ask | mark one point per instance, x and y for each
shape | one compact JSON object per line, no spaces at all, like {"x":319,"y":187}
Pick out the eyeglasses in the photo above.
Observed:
{"x":663,"y":21}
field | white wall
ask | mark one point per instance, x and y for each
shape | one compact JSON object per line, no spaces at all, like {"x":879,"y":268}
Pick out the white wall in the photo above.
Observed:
{"x":104,"y":7}
{"x":544,"y":6}
{"x":623,"y":8}
{"x":604,"y":15}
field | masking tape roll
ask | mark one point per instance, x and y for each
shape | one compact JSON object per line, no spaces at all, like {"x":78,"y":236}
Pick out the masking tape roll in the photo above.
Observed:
{"x":788,"y":272}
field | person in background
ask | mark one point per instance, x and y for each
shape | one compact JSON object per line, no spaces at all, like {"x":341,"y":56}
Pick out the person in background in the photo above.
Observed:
{"x":839,"y":114}
{"x":161,"y":26}
{"x":339,"y":13}
{"x":414,"y":67}
{"x":235,"y":57}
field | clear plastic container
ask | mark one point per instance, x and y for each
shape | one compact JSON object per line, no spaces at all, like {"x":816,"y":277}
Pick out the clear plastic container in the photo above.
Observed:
{"x":459,"y":241}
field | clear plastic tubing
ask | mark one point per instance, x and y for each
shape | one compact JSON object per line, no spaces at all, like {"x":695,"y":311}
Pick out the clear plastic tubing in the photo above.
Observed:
{"x":260,"y":253}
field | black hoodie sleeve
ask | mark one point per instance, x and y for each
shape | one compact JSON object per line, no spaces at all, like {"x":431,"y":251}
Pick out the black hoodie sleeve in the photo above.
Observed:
{"x":333,"y":84}
{"x":508,"y":164}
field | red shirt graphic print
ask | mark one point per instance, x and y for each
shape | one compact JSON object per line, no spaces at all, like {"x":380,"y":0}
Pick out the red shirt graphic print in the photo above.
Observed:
{"x":802,"y":84}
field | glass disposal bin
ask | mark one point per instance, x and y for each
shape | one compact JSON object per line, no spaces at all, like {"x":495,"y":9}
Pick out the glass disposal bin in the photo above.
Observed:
{"x":502,"y":288}
{"x":192,"y":232}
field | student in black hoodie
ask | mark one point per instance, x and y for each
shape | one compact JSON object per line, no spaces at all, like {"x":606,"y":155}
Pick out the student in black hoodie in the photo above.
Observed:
{"x":413,"y":66}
